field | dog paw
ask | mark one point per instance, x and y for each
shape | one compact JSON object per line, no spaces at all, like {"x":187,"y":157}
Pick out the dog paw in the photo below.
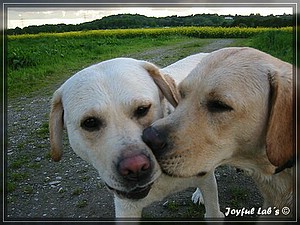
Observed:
{"x":197,"y":197}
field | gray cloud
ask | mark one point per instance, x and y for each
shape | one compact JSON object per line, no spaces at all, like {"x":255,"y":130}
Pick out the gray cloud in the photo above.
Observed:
{"x":24,"y":15}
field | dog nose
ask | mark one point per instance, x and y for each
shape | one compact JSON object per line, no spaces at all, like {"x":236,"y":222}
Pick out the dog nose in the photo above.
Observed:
{"x":135,"y":168}
{"x":155,"y":140}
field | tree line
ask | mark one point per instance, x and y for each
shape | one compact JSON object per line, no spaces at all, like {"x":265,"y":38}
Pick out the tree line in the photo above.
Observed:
{"x":123,"y":21}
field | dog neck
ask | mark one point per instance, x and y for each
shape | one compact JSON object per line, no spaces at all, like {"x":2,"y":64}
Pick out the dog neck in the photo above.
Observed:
{"x":276,"y":188}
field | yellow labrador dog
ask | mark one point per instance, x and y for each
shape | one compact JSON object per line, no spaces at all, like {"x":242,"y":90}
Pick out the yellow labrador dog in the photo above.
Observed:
{"x":236,"y":108}
{"x":104,"y":109}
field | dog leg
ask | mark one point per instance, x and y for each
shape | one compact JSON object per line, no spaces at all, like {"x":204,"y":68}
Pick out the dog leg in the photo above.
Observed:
{"x":209,"y":190}
{"x":197,"y":197}
{"x":126,"y":209}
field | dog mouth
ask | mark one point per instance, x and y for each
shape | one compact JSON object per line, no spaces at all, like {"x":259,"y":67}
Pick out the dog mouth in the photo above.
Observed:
{"x":135,"y":194}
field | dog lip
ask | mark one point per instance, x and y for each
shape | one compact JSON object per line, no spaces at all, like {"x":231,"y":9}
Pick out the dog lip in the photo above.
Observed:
{"x":168,"y":173}
{"x":135,"y":194}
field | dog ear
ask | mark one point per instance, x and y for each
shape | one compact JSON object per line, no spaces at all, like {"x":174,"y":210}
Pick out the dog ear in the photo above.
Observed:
{"x":56,"y":126}
{"x":280,"y":130}
{"x":165,"y":83}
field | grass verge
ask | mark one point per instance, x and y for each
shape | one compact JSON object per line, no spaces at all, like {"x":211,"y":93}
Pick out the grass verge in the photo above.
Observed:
{"x":279,"y":44}
{"x":36,"y":63}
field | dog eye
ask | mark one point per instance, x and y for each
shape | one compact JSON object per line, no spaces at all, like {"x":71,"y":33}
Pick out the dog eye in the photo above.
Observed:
{"x":91,"y":124}
{"x":218,"y":107}
{"x":142,"y":111}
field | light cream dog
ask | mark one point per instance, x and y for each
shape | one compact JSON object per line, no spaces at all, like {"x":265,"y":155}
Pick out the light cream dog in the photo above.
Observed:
{"x":104,"y":109}
{"x":235,"y":108}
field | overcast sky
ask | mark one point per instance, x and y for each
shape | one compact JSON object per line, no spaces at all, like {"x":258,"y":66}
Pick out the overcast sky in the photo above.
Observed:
{"x":25,"y":16}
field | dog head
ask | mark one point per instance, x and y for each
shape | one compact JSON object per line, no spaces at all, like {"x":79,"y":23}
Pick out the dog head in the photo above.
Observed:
{"x":104,"y":109}
{"x":236,"y":104}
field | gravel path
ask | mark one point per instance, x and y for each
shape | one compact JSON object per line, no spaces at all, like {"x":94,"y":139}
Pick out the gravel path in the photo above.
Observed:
{"x":40,"y":189}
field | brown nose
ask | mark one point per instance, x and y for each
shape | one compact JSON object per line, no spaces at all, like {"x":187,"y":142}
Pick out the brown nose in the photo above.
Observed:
{"x":135,"y":168}
{"x":155,"y":140}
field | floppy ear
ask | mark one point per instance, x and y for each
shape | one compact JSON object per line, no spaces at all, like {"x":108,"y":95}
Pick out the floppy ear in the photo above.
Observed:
{"x":165,"y":83}
{"x":280,"y":132}
{"x":56,"y":126}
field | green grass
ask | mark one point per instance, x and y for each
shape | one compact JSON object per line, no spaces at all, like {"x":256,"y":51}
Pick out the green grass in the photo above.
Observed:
{"x":11,"y":186}
{"x":238,"y":195}
{"x":28,"y":189}
{"x":194,"y":211}
{"x":19,"y":176}
{"x":172,"y":206}
{"x":18,"y":163}
{"x":277,"y":43}
{"x":82,"y":203}
{"x":43,"y":131}
{"x":14,"y":178}
{"x":35,"y":62}
{"x":77,"y":191}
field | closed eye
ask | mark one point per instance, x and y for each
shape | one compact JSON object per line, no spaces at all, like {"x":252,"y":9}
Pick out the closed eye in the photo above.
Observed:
{"x":182,"y":94}
{"x":216,"y":106}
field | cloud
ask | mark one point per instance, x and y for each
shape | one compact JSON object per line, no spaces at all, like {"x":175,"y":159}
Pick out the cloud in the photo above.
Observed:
{"x":25,"y":16}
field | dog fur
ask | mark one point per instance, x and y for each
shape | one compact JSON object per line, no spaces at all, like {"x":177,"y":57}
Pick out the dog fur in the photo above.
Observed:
{"x":235,"y":108}
{"x":102,"y":108}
